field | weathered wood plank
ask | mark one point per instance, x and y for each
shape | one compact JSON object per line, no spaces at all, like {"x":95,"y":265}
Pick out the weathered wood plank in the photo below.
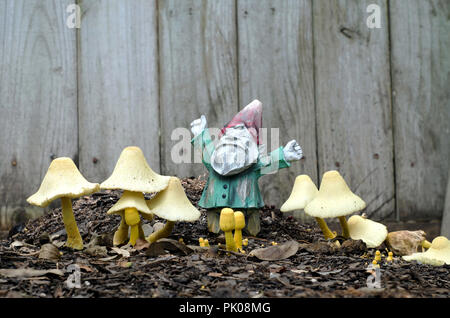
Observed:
{"x":38,"y":100}
{"x":445,"y":228}
{"x":353,"y":102}
{"x":276,"y":67}
{"x":118,"y":83}
{"x":198,"y":73}
{"x":420,"y":78}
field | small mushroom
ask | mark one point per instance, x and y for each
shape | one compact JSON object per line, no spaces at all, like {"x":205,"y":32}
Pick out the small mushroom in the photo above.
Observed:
{"x":129,"y":206}
{"x":438,"y":254}
{"x":334,"y":199}
{"x":227,"y":225}
{"x":239,"y":223}
{"x":64,"y":180}
{"x":390,"y":257}
{"x":370,"y":232}
{"x":133,"y":175}
{"x":172,"y":205}
{"x":378,"y":256}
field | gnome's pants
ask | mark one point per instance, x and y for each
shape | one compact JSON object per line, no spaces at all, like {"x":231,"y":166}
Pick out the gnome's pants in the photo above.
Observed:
{"x":252,"y":221}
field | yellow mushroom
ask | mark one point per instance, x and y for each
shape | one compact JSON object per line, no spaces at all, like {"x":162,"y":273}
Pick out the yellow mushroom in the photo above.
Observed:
{"x":64,"y":180}
{"x":129,"y":206}
{"x":206,"y":243}
{"x":370,"y":232}
{"x":303,"y":191}
{"x":378,"y":256}
{"x":133,"y":175}
{"x":390,"y":257}
{"x":334,"y":199}
{"x":227,"y":225}
{"x":239,"y":223}
{"x":438,"y":254}
{"x":245,"y":242}
{"x":172,"y":205}
{"x":201,"y":242}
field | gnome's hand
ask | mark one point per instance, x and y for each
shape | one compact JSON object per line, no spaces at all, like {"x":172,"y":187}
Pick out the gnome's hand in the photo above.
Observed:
{"x":292,"y":151}
{"x":198,"y":125}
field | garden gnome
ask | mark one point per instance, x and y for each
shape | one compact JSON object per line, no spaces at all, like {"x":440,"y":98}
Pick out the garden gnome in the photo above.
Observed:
{"x":235,"y":163}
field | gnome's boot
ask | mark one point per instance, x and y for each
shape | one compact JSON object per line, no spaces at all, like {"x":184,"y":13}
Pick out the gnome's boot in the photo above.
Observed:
{"x":253,"y":222}
{"x":214,"y":220}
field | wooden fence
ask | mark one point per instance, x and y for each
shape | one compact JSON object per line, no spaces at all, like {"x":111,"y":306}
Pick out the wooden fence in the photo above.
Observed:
{"x":371,"y":103}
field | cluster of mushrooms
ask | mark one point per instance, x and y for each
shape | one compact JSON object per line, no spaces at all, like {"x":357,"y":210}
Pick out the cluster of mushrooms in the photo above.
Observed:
{"x":334,"y":199}
{"x":134,"y":177}
{"x":232,"y":221}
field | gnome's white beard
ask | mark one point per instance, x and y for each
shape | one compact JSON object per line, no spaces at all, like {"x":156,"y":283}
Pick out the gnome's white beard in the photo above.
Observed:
{"x":235,"y":152}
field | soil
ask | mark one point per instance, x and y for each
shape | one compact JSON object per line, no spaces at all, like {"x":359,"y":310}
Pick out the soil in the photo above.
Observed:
{"x":316,"y":268}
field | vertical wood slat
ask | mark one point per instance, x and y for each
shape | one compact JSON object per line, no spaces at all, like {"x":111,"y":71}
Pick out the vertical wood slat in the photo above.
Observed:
{"x":445,"y":226}
{"x":118,"y":83}
{"x":421,"y":101}
{"x":198,"y":74}
{"x":276,"y":67}
{"x":353,"y":101}
{"x":38,"y":101}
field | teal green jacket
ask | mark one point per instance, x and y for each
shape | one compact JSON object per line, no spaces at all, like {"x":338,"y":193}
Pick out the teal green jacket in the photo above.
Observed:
{"x":240,"y":191}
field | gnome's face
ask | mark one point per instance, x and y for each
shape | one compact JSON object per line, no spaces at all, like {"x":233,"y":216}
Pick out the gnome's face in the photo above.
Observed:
{"x":236,"y":151}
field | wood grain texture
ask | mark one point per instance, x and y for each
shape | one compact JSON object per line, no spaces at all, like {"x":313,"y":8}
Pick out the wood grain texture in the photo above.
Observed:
{"x":445,"y":227}
{"x":276,"y":67}
{"x":38,"y":101}
{"x":353,"y":102}
{"x":198,"y":73}
{"x":421,"y":101}
{"x":118,"y":83}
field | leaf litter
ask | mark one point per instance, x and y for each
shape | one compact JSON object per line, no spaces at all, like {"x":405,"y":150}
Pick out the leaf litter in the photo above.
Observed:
{"x":303,"y":264}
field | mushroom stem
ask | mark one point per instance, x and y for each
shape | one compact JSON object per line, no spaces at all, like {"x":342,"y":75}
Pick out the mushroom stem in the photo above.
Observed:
{"x":325,"y":230}
{"x":238,"y":238}
{"x":134,"y":234}
{"x":133,"y":219}
{"x":344,"y":226}
{"x":74,"y":239}
{"x":230,"y":243}
{"x":164,"y":232}
{"x":121,"y":235}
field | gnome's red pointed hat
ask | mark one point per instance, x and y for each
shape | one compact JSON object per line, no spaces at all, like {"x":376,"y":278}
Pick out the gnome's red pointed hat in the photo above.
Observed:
{"x":250,"y":116}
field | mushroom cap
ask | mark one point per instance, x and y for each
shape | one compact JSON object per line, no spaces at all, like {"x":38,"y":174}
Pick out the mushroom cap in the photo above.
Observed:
{"x":303,"y":191}
{"x":226,"y":221}
{"x":172,"y":203}
{"x":370,"y":232}
{"x":239,"y":220}
{"x":63,"y":179}
{"x":132,"y":173}
{"x":437,"y":254}
{"x":334,"y":198}
{"x":128,"y":200}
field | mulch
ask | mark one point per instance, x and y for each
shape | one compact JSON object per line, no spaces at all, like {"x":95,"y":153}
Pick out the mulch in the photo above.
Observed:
{"x":317,"y":269}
